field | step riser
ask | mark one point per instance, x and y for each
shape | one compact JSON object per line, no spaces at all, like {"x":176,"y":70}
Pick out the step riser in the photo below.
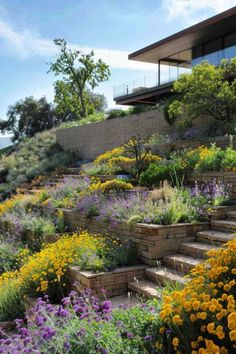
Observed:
{"x":224,"y":229}
{"x":213,"y":238}
{"x":179,"y":266}
{"x":162,"y":279}
{"x":209,"y":241}
{"x":189,"y":251}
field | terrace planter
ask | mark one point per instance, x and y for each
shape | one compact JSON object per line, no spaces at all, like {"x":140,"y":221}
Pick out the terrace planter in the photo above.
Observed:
{"x":114,"y":282}
{"x":151,"y":241}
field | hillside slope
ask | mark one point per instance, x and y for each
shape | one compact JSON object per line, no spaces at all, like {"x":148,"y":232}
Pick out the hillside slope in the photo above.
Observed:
{"x":30,"y":158}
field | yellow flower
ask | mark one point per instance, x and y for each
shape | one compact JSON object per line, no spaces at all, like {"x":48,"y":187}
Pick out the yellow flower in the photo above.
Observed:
{"x":175,"y":342}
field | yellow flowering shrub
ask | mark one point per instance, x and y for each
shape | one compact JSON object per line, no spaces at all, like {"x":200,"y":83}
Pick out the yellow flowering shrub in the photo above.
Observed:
{"x":25,"y":200}
{"x":107,"y":156}
{"x":111,"y":185}
{"x":45,"y":271}
{"x":201,"y":318}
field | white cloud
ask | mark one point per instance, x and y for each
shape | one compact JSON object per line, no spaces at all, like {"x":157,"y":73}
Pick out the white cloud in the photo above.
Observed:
{"x":188,"y":9}
{"x":25,"y":44}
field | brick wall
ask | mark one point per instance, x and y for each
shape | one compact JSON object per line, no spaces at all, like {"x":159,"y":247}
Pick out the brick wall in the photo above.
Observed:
{"x":91,"y":140}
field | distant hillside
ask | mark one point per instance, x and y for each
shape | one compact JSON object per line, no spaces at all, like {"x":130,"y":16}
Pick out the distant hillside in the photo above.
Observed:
{"x":32,"y":157}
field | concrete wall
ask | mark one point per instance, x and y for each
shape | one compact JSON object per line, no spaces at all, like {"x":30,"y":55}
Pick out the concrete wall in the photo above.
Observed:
{"x":91,"y":140}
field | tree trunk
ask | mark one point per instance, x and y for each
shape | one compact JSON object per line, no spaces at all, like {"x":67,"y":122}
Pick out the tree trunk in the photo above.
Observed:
{"x":83,"y":108}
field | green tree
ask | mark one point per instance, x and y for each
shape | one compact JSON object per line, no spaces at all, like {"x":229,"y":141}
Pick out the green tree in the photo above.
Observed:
{"x":80,"y":72}
{"x":207,"y":91}
{"x":28,"y":117}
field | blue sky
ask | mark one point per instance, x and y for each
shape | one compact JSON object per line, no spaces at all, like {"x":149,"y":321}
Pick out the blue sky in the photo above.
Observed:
{"x":113,"y":28}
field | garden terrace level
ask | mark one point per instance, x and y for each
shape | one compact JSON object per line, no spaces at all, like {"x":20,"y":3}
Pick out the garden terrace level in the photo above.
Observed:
{"x":212,"y":40}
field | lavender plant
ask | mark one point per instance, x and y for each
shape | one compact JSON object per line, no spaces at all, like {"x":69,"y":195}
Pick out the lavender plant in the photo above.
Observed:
{"x":84,"y":325}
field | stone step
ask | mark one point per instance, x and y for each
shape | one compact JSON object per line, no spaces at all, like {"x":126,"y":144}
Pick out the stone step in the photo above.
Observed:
{"x":181,"y":262}
{"x":214,"y":236}
{"x":163,"y":275}
{"x":195,"y":249}
{"x":145,"y":287}
{"x":231,"y":215}
{"x":225,"y":225}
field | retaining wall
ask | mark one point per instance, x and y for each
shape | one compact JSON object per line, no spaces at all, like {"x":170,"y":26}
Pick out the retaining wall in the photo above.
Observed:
{"x":151,"y":241}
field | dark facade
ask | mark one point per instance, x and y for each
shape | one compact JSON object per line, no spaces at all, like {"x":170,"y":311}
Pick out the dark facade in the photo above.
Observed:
{"x":212,"y":40}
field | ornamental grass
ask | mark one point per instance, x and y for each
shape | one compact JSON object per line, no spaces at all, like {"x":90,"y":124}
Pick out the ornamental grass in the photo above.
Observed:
{"x":201,"y":318}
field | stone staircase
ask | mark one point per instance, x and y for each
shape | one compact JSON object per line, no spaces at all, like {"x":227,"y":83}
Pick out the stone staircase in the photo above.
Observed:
{"x":175,"y":267}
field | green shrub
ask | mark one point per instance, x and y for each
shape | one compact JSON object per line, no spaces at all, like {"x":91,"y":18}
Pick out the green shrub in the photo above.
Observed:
{"x":229,"y":159}
{"x":116,"y":113}
{"x":11,"y":301}
{"x":8,"y":258}
{"x":155,"y":174}
{"x":210,"y":159}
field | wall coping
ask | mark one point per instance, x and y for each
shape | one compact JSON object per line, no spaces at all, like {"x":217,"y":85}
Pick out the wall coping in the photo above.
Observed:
{"x":91,"y":274}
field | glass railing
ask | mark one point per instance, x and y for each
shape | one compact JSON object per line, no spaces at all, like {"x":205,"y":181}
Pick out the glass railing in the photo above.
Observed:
{"x":135,"y":86}
{"x":168,"y":74}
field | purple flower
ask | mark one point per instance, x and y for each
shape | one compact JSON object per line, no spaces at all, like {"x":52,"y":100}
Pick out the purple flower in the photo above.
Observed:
{"x":106,"y":305}
{"x":147,"y":338}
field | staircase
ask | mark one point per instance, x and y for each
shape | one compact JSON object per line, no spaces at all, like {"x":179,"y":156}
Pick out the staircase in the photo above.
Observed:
{"x":175,"y":267}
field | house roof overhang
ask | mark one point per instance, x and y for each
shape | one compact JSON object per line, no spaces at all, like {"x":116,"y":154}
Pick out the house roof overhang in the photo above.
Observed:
{"x":210,"y":29}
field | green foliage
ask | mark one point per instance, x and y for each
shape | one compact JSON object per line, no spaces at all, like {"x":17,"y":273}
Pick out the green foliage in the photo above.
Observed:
{"x":79,"y":72}
{"x":116,"y":113}
{"x":11,"y":302}
{"x":211,"y":161}
{"x":205,"y":92}
{"x":28,"y":117}
{"x":91,"y":118}
{"x":8,"y":257}
{"x":229,"y":160}
{"x":155,"y":174}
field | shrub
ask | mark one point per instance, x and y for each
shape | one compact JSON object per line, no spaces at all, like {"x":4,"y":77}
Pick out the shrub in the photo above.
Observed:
{"x":8,"y":257}
{"x":116,"y":113}
{"x":201,"y":318}
{"x":11,"y":301}
{"x":155,"y":174}
{"x":210,"y":159}
{"x":229,"y":159}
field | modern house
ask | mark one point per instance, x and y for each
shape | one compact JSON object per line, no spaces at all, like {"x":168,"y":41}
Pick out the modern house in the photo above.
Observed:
{"x":211,"y":40}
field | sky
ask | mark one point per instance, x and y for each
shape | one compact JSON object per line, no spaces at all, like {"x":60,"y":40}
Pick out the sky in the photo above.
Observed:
{"x":113,"y":28}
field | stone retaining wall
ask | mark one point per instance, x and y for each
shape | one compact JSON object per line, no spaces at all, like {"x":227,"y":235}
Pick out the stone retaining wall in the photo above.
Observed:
{"x":152,"y":241}
{"x":90,"y":140}
{"x":114,"y":282}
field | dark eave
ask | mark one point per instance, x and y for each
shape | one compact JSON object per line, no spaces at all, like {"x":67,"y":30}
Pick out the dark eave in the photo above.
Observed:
{"x":148,"y":96}
{"x":210,"y":29}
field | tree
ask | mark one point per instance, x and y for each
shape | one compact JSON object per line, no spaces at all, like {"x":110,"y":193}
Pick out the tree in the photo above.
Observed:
{"x":79,"y":73}
{"x":207,"y":91}
{"x":28,"y":117}
{"x":68,"y":104}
